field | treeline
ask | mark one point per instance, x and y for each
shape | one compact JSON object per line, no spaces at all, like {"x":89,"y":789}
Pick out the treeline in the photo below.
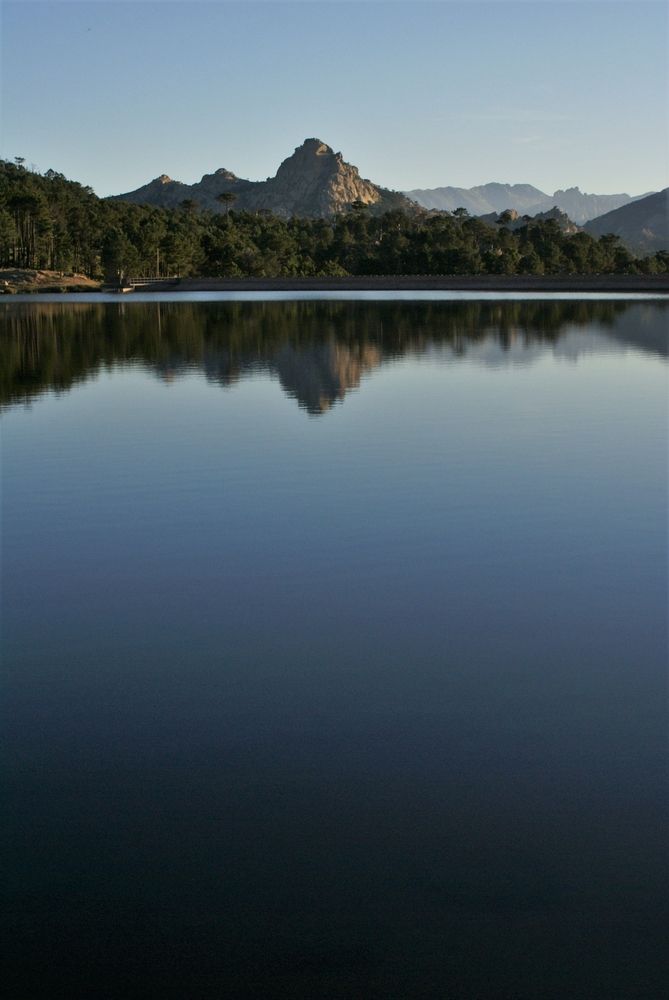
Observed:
{"x":48,"y":222}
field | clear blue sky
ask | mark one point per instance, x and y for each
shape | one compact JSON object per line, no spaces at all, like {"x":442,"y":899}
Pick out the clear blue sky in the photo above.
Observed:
{"x":414,"y":94}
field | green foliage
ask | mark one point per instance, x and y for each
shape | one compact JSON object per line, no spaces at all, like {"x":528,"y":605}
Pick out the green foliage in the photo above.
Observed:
{"x":48,"y":222}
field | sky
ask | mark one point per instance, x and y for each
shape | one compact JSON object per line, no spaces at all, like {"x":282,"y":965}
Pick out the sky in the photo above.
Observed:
{"x":113,"y":93}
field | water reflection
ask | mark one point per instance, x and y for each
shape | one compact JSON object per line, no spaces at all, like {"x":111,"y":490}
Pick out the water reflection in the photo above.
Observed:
{"x":335,"y":708}
{"x":318,"y":350}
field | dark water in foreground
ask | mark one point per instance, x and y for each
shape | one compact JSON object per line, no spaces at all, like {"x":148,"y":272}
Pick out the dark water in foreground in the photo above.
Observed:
{"x":335,"y":649}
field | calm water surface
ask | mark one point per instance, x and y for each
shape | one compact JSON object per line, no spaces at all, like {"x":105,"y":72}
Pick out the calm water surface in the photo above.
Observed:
{"x":335,"y":649}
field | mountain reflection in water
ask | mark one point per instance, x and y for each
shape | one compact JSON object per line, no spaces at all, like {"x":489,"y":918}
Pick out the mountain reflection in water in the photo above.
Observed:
{"x":318,"y":350}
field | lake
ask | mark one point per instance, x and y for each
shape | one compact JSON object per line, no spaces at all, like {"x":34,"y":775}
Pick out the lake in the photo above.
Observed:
{"x":335,"y":647}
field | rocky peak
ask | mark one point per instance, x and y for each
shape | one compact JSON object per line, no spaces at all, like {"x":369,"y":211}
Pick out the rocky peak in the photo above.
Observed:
{"x":315,"y":147}
{"x":223,"y":174}
{"x":317,"y":181}
{"x":312,"y":157}
{"x":220,"y":180}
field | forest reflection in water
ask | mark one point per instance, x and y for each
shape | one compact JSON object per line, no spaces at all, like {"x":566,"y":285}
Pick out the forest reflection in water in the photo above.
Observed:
{"x":319,"y":350}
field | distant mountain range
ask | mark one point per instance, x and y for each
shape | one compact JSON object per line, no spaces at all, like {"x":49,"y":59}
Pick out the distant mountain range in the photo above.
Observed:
{"x":314,"y":182}
{"x":523,"y":198}
{"x":643,"y":226}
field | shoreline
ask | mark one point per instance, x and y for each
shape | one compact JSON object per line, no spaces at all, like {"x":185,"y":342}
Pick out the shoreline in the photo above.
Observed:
{"x":658,"y":284}
{"x":381,"y":286}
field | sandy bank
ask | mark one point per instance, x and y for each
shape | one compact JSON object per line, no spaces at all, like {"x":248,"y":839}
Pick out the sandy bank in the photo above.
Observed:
{"x":22,"y":281}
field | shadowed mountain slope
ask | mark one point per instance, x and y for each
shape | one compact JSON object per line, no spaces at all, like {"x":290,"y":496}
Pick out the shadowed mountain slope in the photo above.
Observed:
{"x":642,"y":226}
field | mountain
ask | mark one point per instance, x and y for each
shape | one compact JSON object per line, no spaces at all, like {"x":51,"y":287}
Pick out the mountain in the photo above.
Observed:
{"x":523,"y":198}
{"x":314,"y":182}
{"x":643,"y":226}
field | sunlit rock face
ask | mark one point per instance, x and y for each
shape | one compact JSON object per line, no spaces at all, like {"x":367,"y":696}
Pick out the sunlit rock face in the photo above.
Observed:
{"x":315,"y":182}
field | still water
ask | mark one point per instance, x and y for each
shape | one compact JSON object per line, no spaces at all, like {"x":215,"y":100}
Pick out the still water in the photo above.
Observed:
{"x":335,"y":649}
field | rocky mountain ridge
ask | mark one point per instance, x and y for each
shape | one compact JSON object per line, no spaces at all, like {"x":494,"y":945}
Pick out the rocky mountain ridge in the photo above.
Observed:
{"x":315,"y":182}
